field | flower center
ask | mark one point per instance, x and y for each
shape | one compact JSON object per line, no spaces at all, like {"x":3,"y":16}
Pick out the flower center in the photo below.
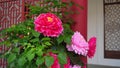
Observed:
{"x":50,"y":19}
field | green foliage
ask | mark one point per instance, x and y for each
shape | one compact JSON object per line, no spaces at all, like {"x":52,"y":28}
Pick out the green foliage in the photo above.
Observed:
{"x":21,"y":61}
{"x":49,"y":61}
{"x":28,"y":48}
{"x":62,"y":58}
{"x":40,"y":61}
{"x":11,"y":58}
{"x":75,"y":58}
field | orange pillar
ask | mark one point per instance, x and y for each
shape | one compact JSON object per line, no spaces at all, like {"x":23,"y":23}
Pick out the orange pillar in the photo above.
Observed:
{"x":80,"y":21}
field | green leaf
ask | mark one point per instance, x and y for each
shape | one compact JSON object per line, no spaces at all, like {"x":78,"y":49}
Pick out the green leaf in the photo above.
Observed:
{"x":60,"y":39}
{"x":66,"y":26}
{"x":39,"y":51}
{"x":30,"y":54}
{"x":35,"y":9}
{"x":70,"y":4}
{"x":62,"y":58}
{"x":56,"y":2}
{"x":67,"y":39}
{"x":45,"y":39}
{"x":47,"y":43}
{"x":47,"y":0}
{"x":76,"y":60}
{"x":16,"y":49}
{"x":49,"y":61}
{"x":36,"y":34}
{"x":35,"y":40}
{"x":39,"y":61}
{"x":11,"y":58}
{"x":12,"y":65}
{"x":15,"y":41}
{"x":21,"y":61}
{"x":43,"y":66}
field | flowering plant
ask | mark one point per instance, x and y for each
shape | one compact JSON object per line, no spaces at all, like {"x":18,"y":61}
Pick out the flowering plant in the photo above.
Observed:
{"x":45,"y":42}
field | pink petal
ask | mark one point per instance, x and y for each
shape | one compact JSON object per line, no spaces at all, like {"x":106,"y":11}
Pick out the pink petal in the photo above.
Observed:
{"x":92,"y":47}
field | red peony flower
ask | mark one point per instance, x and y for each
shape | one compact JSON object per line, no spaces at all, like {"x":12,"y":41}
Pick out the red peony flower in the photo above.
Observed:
{"x":67,"y":65}
{"x":56,"y":62}
{"x":92,"y":47}
{"x":48,"y":24}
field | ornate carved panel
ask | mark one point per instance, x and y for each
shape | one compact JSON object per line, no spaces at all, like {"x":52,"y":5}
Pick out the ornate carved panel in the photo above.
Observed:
{"x":11,"y":12}
{"x":111,"y":27}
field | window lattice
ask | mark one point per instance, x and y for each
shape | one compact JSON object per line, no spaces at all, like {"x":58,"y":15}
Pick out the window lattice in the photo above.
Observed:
{"x":111,"y":1}
{"x":112,"y":25}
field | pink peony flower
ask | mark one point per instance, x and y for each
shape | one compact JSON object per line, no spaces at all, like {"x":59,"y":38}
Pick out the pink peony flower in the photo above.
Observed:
{"x":76,"y":66}
{"x":69,"y":48}
{"x":78,"y":45}
{"x":48,"y":24}
{"x":92,"y":47}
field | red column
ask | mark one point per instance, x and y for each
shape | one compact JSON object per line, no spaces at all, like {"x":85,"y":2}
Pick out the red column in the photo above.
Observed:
{"x":80,"y":21}
{"x":80,"y":18}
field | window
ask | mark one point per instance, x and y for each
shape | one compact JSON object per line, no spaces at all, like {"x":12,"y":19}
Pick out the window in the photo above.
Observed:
{"x":112,"y":29}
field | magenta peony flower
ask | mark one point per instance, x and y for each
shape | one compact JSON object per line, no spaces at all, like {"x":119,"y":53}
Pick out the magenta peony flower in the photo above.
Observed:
{"x":56,"y":63}
{"x":78,"y":45}
{"x":92,"y":47}
{"x":48,"y":24}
